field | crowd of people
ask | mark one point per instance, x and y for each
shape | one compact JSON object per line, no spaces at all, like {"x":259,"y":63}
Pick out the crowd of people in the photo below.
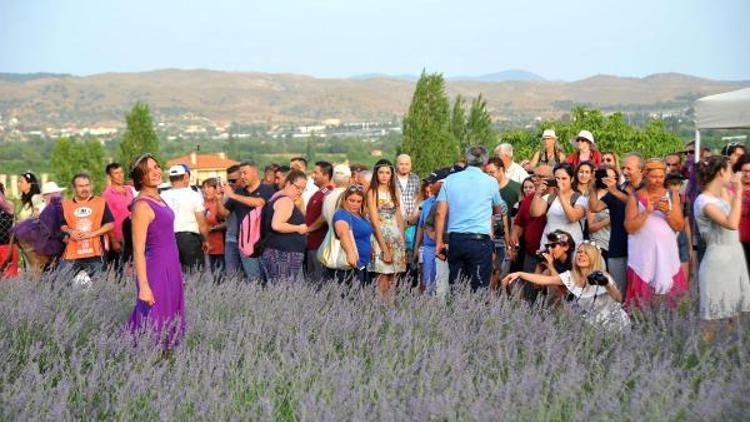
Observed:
{"x":604,"y":234}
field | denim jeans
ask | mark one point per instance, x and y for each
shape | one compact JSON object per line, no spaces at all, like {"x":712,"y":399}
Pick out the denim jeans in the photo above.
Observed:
{"x":236,"y":263}
{"x":91,"y":266}
{"x":470,"y":258}
{"x":232,"y":264}
{"x":428,"y":269}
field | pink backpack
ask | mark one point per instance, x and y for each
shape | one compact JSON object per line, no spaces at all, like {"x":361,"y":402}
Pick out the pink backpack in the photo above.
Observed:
{"x":249,"y":232}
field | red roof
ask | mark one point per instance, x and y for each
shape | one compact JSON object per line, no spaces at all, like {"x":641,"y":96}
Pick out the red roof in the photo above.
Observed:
{"x":203,"y":162}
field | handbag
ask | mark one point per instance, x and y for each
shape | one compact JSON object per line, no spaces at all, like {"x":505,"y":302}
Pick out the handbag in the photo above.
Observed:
{"x":331,"y":254}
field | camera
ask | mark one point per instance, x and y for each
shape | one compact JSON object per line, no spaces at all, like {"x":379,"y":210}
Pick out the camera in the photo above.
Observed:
{"x":597,"y":278}
{"x":551,"y":183}
{"x":540,"y":255}
{"x":599,"y":175}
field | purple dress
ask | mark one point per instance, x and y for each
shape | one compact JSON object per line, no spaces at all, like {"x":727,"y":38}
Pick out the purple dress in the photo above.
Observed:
{"x":165,"y":279}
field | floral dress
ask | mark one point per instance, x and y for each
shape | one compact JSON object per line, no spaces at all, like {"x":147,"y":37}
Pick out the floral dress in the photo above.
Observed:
{"x":393,"y":238}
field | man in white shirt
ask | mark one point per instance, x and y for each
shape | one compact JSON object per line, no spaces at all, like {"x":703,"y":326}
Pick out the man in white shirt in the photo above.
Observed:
{"x":341,"y":178}
{"x":513,"y":170}
{"x":190,"y":226}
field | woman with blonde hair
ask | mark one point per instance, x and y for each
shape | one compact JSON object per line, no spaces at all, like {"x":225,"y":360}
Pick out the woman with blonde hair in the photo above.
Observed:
{"x":595,"y":295}
{"x":653,"y":218}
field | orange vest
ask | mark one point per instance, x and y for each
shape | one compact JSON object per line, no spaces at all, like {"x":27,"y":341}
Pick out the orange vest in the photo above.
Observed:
{"x":87,"y":217}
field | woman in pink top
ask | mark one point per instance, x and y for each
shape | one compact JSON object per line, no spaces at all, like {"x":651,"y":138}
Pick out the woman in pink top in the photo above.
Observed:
{"x":653,"y":218}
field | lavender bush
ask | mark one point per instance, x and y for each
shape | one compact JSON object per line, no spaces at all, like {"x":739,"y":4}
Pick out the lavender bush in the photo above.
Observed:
{"x":297,"y":352}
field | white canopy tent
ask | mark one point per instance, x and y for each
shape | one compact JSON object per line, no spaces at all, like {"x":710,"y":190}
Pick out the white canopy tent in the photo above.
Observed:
{"x":730,"y":110}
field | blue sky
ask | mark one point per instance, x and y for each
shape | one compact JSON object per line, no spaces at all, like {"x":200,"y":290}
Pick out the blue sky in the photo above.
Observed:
{"x":338,"y":38}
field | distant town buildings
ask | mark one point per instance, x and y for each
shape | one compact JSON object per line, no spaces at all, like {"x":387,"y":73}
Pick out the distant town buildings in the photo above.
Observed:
{"x":204,"y":166}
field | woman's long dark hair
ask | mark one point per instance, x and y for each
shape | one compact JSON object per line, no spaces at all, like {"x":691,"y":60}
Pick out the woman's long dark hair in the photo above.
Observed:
{"x":578,"y":168}
{"x":375,"y":184}
{"x":30,"y":178}
{"x":709,"y":168}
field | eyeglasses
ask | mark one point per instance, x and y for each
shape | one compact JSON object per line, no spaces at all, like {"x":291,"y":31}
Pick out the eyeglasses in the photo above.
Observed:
{"x":301,"y":189}
{"x":551,"y":246}
{"x":232,"y":181}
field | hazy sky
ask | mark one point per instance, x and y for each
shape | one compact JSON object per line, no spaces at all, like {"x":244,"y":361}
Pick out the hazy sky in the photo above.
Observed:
{"x":334,"y":38}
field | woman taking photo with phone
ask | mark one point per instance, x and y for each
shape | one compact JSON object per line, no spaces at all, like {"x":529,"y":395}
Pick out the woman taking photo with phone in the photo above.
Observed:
{"x":723,"y":281}
{"x":653,"y":217}
{"x":564,"y":209}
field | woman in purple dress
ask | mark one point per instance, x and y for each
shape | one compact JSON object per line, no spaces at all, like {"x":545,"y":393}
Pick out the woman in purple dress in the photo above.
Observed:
{"x":160,"y":305}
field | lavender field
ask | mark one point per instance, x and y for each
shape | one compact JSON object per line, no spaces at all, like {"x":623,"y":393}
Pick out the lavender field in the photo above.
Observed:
{"x":299,"y":353}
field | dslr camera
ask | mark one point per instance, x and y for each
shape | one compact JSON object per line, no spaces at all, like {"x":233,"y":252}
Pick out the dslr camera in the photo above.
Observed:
{"x":597,"y":278}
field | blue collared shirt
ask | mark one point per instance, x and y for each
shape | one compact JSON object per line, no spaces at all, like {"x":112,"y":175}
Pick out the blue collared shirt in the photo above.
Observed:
{"x":471,"y":196}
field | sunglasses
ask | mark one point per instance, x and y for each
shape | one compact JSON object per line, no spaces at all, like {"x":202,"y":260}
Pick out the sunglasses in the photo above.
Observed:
{"x":356,"y":188}
{"x":551,"y":246}
{"x":141,"y":158}
{"x":232,"y":180}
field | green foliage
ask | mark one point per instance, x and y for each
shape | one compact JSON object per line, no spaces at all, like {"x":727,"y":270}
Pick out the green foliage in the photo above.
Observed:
{"x":72,"y":156}
{"x":139,"y":136}
{"x":611,"y":132}
{"x":476,"y":128}
{"x":479,"y":128}
{"x":458,"y":120}
{"x":427,"y":133}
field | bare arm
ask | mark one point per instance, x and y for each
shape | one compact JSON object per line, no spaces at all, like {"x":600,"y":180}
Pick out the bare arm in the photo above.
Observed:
{"x":535,"y":159}
{"x":440,"y":213}
{"x":342,"y":231}
{"x":634,"y":219}
{"x":594,"y":224}
{"x":538,"y":206}
{"x":574,"y":213}
{"x":143,"y":215}
{"x":282,"y":210}
{"x":729,"y":221}
{"x":538,"y":279}
{"x":372,"y":208}
{"x":202,"y":225}
{"x":318,"y":223}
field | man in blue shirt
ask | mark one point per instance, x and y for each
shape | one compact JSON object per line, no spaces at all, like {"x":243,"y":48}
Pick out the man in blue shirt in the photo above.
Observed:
{"x":471,"y":198}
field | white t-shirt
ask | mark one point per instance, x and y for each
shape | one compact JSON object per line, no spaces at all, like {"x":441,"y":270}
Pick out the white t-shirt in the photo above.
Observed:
{"x":558,"y":220}
{"x":516,"y":173}
{"x":309,"y":191}
{"x":185,"y":203}
{"x":330,"y":204}
{"x":595,"y":304}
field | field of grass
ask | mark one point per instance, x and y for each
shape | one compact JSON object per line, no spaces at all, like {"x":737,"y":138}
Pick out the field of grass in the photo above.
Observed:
{"x":297,"y":352}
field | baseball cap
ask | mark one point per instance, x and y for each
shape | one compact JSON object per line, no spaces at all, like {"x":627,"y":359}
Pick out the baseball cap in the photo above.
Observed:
{"x":342,"y":170}
{"x":179,"y":170}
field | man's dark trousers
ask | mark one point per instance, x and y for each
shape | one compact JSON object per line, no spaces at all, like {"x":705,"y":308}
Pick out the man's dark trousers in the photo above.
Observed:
{"x":190,"y":247}
{"x":470,"y":255}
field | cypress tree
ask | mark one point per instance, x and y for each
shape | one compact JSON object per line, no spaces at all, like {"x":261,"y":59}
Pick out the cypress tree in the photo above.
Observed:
{"x":427,"y":136}
{"x":140,"y":136}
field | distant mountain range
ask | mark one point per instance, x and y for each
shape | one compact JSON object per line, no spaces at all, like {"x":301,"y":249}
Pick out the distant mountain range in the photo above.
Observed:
{"x":504,"y":76}
{"x":54,"y":100}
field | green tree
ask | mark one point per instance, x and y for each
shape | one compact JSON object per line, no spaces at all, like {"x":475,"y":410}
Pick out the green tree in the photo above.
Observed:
{"x":140,"y":136}
{"x":458,"y":120}
{"x":427,"y":135}
{"x":72,"y":156}
{"x":479,"y":128}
